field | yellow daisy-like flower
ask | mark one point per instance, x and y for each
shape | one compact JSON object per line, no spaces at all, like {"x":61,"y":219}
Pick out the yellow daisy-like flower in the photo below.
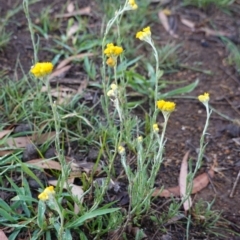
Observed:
{"x":166,"y":106}
{"x":41,"y":69}
{"x":145,"y":34}
{"x":47,"y":193}
{"x":132,"y":5}
{"x":121,"y":150}
{"x":155,"y":127}
{"x":204,"y":98}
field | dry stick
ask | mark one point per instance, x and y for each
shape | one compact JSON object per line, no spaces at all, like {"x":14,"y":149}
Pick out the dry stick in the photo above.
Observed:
{"x":235,"y":185}
{"x":234,"y":108}
{"x":210,"y":180}
{"x":230,"y":75}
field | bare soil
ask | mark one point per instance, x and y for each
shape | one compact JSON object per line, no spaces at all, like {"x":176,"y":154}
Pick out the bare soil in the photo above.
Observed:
{"x":186,"y":123}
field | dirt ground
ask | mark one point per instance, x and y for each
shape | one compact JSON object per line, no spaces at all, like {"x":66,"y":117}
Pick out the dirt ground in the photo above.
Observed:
{"x":186,"y":123}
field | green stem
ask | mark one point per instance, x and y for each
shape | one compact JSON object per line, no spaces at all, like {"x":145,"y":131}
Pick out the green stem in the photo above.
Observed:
{"x":57,"y":208}
{"x":156,"y":72}
{"x":35,"y":44}
{"x":201,"y":149}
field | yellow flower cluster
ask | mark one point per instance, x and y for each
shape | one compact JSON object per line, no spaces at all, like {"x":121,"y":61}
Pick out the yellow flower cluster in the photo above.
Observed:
{"x":113,"y":91}
{"x":112,"y":52}
{"x":204,"y":98}
{"x":132,"y":4}
{"x":47,"y":193}
{"x":42,"y":69}
{"x":166,"y":106}
{"x":145,"y":34}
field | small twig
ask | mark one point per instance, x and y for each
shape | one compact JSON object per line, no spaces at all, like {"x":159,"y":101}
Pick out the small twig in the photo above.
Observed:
{"x":234,"y":108}
{"x":210,"y":180}
{"x":230,"y":75}
{"x":235,"y":185}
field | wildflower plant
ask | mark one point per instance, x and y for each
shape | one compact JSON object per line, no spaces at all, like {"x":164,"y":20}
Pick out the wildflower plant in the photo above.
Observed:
{"x":47,"y":198}
{"x":141,"y":180}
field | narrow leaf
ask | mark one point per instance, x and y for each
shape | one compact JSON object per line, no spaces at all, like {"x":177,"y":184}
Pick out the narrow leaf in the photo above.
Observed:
{"x":90,"y":215}
{"x":181,"y":90}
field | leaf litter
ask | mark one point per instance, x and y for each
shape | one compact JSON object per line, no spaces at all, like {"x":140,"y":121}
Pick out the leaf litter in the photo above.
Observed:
{"x":183,"y":183}
{"x":199,"y":183}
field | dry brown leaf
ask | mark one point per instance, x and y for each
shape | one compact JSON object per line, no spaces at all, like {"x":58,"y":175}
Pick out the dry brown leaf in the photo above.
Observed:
{"x":199,"y":183}
{"x":188,"y":23}
{"x":169,"y":192}
{"x":63,"y":94}
{"x":75,"y":189}
{"x":82,"y":11}
{"x":72,"y":58}
{"x":183,"y":182}
{"x":70,"y":7}
{"x":21,"y":142}
{"x":60,"y":72}
{"x":82,"y":86}
{"x":175,"y":219}
{"x":164,"y":20}
{"x":77,"y":192}
{"x":2,"y":235}
{"x":5,"y":152}
{"x":84,"y":166}
{"x":72,"y":30}
{"x":206,"y":30}
{"x":210,"y":32}
{"x":45,"y":164}
{"x":3,"y":133}
{"x":202,"y":181}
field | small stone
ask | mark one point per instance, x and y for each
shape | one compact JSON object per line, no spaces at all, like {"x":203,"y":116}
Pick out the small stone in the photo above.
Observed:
{"x":30,"y":153}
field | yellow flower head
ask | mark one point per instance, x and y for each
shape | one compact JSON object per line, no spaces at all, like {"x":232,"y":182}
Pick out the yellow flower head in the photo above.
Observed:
{"x":166,"y":106}
{"x":155,"y":127}
{"x":47,"y":193}
{"x":132,"y":5}
{"x":43,"y":196}
{"x":145,"y":34}
{"x":204,"y":98}
{"x":113,"y":51}
{"x":111,"y":62}
{"x":121,"y":150}
{"x":41,"y":69}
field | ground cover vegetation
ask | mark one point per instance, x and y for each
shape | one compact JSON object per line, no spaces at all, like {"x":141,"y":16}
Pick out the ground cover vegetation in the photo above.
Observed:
{"x":84,"y":129}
